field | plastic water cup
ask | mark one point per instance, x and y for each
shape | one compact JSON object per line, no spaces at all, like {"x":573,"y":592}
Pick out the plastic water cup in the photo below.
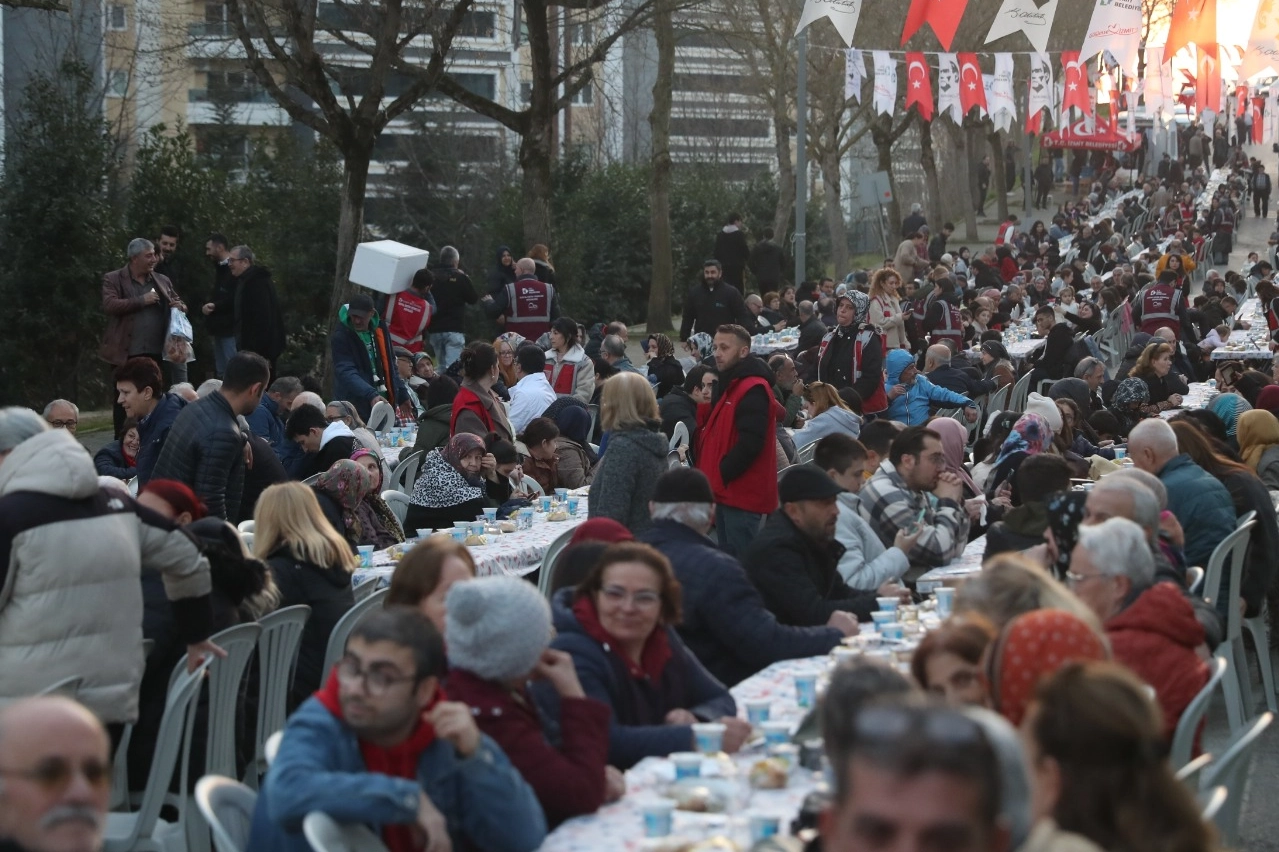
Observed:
{"x":424,"y":534}
{"x":945,"y":601}
{"x":1120,"y":452}
{"x":764,"y":826}
{"x":688,"y":764}
{"x":757,"y":711}
{"x":544,"y":504}
{"x":526,"y":518}
{"x":775,"y":733}
{"x":462,"y":525}
{"x":887,"y":604}
{"x":459,"y":534}
{"x":709,"y":736}
{"x":893,"y":630}
{"x":366,"y":556}
{"x":573,"y":503}
{"x":844,"y":654}
{"x":477,"y":528}
{"x":561,"y":494}
{"x":806,"y":690}
{"x":882,"y":617}
{"x":657,"y":817}
{"x":490,"y":515}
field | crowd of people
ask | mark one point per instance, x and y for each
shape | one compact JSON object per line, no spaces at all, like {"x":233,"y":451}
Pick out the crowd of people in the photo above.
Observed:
{"x":744,"y":509}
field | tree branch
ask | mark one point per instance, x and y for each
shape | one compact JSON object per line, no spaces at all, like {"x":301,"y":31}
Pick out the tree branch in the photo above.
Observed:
{"x":41,"y":5}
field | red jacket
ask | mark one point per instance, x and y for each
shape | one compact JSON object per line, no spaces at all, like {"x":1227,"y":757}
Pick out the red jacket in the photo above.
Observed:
{"x":1156,"y":637}
{"x":755,"y":490}
{"x":466,"y":400}
{"x":569,"y":780}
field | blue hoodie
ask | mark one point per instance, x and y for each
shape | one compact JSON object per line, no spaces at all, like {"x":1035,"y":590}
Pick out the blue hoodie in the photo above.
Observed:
{"x":912,"y":408}
{"x":829,"y":422}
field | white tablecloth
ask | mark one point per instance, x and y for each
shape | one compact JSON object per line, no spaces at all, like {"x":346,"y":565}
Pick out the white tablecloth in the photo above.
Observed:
{"x":1019,"y":349}
{"x":1253,"y":340}
{"x":761,"y":345}
{"x":968,"y":563}
{"x":515,"y":553}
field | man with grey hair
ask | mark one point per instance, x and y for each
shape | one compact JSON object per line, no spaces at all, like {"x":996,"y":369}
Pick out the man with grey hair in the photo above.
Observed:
{"x":526,"y":306}
{"x":811,"y":327}
{"x":308,"y":398}
{"x":725,"y":622}
{"x":186,"y":390}
{"x":1151,"y":625}
{"x":62,"y":414}
{"x":137,"y":301}
{"x":1093,"y":373}
{"x":452,"y":291}
{"x":207,"y":387}
{"x":1201,"y":503}
{"x":613,"y":350}
{"x":259,"y":322}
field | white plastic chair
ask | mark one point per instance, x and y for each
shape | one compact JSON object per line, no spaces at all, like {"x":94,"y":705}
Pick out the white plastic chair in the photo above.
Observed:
{"x":1020,"y":392}
{"x":347,"y":623}
{"x":1195,"y":580}
{"x":679,"y":435}
{"x":225,"y":676}
{"x":1211,"y":804}
{"x":69,"y":686}
{"x":1259,"y":627}
{"x":365,"y":588}
{"x":1231,"y":772}
{"x":247,"y":526}
{"x":805,"y":453}
{"x":1232,"y":548}
{"x":405,"y":473}
{"x":1191,"y":773}
{"x":227,"y":806}
{"x":382,"y":417}
{"x":1183,"y":739}
{"x":143,"y":830}
{"x":278,"y":645}
{"x":528,"y":483}
{"x":998,"y":400}
{"x":327,"y":835}
{"x":548,"y":562}
{"x":272,"y":747}
{"x":398,"y":502}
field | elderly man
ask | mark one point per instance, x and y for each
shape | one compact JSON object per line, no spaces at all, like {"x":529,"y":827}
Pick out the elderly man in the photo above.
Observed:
{"x":1093,"y":373}
{"x":1151,"y":626}
{"x":811,"y":327}
{"x":911,"y":259}
{"x":613,"y":350}
{"x":75,"y":555}
{"x":532,"y":393}
{"x":755,"y":305}
{"x":62,"y":414}
{"x":914,"y":489}
{"x":526,"y":305}
{"x":788,"y":389}
{"x":939,"y":370}
{"x":911,"y":396}
{"x":259,"y":322}
{"x":136,"y":301}
{"x":794,"y":561}
{"x":268,"y":420}
{"x":1200,"y":502}
{"x":56,"y":764}
{"x":725,"y":622}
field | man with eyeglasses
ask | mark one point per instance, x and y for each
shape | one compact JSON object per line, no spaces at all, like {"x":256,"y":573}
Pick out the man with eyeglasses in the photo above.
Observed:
{"x":379,"y":744}
{"x":62,"y":414}
{"x":55,"y":776}
{"x":914,"y":489}
{"x":914,"y":777}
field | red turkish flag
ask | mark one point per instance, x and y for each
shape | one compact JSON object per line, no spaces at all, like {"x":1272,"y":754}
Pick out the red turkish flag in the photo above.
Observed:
{"x":942,"y":15}
{"x":1193,"y":21}
{"x":1035,"y":123}
{"x":972,"y":88}
{"x":1241,"y":95}
{"x":1075,"y":93}
{"x":919,"y":86}
{"x":1208,"y":84}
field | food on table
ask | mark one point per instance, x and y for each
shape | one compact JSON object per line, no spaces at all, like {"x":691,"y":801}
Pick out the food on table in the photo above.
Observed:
{"x":771,"y":773}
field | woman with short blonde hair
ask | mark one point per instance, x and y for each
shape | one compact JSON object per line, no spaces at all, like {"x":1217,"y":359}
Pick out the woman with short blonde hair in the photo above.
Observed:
{"x":626,"y":402}
{"x":636,"y":452}
{"x":311,"y":564}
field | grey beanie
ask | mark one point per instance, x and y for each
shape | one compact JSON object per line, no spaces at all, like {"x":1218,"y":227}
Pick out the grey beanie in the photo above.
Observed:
{"x":497,"y":627}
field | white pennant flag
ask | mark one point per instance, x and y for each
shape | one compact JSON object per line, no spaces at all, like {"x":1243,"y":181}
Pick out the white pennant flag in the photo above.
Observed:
{"x":988,"y":84}
{"x":1116,"y":27}
{"x":842,"y":13}
{"x":1041,"y":84}
{"x":1130,"y":100}
{"x":948,"y":87}
{"x":1157,"y":96}
{"x":1000,"y":101}
{"x":885,"y":82}
{"x":1262,"y":52}
{"x":854,"y":74}
{"x":1271,"y":127}
{"x":1022,"y":16}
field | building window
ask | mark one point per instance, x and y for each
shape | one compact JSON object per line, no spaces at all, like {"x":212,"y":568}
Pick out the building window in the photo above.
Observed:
{"x":117,"y":18}
{"x":117,"y":83}
{"x":580,"y":32}
{"x":584,"y":96}
{"x":478,"y":25}
{"x":526,"y":93}
{"x":233,"y":85}
{"x":484,"y":85}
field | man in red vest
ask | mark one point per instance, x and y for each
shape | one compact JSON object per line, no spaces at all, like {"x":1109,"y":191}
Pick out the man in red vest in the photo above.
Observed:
{"x":735,"y":440}
{"x":1161,"y":305}
{"x":528,"y":304}
{"x":409,"y":312}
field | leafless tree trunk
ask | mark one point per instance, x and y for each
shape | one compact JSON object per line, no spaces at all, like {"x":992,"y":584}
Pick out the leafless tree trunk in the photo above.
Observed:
{"x":928,"y":160}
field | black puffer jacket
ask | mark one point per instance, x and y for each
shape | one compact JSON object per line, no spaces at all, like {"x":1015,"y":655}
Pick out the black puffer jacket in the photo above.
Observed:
{"x":205,"y":449}
{"x":327,"y":591}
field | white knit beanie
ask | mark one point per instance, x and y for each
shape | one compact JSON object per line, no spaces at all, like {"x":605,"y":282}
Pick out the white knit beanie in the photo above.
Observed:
{"x":1045,"y":408}
{"x":497,"y":627}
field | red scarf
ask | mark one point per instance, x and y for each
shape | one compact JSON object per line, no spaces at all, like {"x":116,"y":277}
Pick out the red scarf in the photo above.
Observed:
{"x":654,"y":657}
{"x":398,"y":761}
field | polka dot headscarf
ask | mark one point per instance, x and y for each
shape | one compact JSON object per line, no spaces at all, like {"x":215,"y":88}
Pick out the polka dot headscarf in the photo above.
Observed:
{"x":1032,"y":647}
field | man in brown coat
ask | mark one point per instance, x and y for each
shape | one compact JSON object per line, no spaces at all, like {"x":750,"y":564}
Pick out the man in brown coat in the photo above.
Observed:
{"x":136,"y":300}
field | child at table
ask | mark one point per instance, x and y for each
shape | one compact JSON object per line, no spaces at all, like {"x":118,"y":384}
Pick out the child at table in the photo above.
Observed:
{"x":1215,"y":338}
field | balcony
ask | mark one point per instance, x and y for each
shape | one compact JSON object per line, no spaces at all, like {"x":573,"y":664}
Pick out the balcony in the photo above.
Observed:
{"x":251,"y":109}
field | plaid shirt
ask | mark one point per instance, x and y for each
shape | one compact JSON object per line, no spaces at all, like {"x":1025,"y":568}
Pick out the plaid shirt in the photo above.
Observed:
{"x":888,"y":506}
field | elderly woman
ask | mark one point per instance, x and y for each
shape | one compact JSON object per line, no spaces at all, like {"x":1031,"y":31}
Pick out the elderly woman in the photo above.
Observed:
{"x":455,"y":485}
{"x":619,"y":627}
{"x":381,"y":527}
{"x":341,"y":490}
{"x":1031,"y":648}
{"x":1030,"y":436}
{"x":1129,"y":404}
{"x":1258,"y":435}
{"x":119,"y":458}
{"x":827,"y":415}
{"x":1154,"y":367}
{"x":636,"y":456}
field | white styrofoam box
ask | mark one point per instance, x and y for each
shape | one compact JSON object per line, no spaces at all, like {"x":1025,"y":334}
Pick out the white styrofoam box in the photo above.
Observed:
{"x":387,"y":266}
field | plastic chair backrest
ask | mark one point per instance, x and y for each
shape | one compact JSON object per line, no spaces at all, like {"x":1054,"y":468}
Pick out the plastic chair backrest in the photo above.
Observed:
{"x":172,"y":738}
{"x":673,"y":460}
{"x":1195,"y":579}
{"x":312,"y":479}
{"x":1021,"y":391}
{"x":1232,"y":547}
{"x":247,"y":538}
{"x":528,"y":483}
{"x":382,"y":417}
{"x":548,"y":562}
{"x":405,"y":474}
{"x":999,"y":399}
{"x":347,"y":623}
{"x":805,"y":454}
{"x":1212,"y":802}
{"x":327,"y":835}
{"x":1183,"y":739}
{"x":68,"y":686}
{"x":365,"y":588}
{"x":273,"y":747}
{"x":1245,"y":518}
{"x":398,"y":503}
{"x":1191,"y":772}
{"x":595,"y":416}
{"x":278,"y":645}
{"x":247,"y":526}
{"x":225,"y":676}
{"x":679,"y":435}
{"x":1231,"y":771}
{"x":227,"y":806}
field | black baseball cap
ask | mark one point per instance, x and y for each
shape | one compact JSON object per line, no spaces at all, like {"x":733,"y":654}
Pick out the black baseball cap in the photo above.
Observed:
{"x":361,"y":305}
{"x":806,"y":482}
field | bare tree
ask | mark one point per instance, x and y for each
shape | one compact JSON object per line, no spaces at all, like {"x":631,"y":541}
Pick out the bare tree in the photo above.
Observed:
{"x":284,"y":43}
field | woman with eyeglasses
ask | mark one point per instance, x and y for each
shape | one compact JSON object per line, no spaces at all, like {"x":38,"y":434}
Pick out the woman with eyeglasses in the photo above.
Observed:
{"x":1099,"y":775}
{"x":311,"y":564}
{"x":619,"y":627}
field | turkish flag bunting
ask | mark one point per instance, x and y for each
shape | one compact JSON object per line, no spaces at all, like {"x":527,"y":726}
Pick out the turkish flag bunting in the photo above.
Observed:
{"x":1075,"y":91}
{"x":942,"y":15}
{"x":972,"y":88}
{"x":1193,"y":21}
{"x":919,"y":88}
{"x":1035,"y":123}
{"x":1208,"y":84}
{"x":1241,"y":95}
